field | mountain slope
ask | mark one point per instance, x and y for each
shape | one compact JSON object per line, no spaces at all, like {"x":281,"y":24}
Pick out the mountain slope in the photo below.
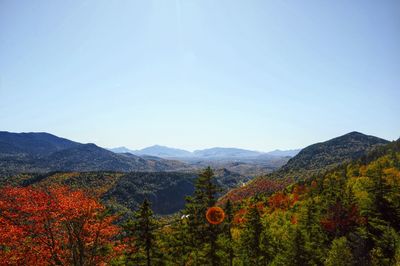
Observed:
{"x":357,"y":201}
{"x":330,"y":153}
{"x":33,"y":144}
{"x":290,"y":153}
{"x":163,"y":152}
{"x":19,"y":153}
{"x":122,"y":150}
{"x":89,"y":157}
{"x":165,"y":190}
{"x":312,"y":160}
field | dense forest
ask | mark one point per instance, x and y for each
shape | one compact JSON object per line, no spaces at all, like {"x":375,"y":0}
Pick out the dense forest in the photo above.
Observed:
{"x":348,"y":216}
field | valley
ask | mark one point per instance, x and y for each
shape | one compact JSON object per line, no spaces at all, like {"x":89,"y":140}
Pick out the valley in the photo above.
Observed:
{"x":327,"y":194}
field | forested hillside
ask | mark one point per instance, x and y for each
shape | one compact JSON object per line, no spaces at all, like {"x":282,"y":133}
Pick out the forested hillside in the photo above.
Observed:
{"x":43,"y":153}
{"x":166,"y":191}
{"x":314,"y":160}
{"x":348,"y":216}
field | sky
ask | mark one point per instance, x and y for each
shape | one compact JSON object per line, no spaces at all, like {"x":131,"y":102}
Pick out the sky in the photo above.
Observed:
{"x":192,"y":74}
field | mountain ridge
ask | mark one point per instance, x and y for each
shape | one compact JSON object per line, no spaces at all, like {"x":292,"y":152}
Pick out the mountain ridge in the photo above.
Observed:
{"x":313,"y":160}
{"x":43,"y":152}
{"x":215,"y":152}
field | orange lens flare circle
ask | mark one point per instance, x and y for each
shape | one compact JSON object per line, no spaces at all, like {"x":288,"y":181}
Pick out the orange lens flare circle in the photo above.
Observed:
{"x":215,"y":215}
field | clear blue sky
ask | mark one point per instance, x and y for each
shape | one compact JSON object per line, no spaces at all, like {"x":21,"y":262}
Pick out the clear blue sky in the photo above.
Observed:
{"x":200,"y":73}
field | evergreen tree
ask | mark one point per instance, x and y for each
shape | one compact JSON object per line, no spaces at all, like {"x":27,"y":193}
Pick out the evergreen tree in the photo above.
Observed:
{"x":176,"y":241}
{"x":251,"y":237}
{"x":225,"y":239}
{"x":142,"y":228}
{"x":339,"y":254}
{"x":295,"y":253}
{"x":202,"y":235}
{"x":314,"y":235}
{"x":384,"y":252}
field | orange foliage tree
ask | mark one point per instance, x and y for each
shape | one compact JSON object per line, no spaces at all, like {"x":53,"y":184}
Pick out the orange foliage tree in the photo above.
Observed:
{"x":55,"y":226}
{"x":279,"y":201}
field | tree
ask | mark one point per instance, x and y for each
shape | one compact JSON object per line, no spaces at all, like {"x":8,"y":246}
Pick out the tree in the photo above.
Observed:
{"x":142,"y":228}
{"x":250,"y":237}
{"x":225,"y":239}
{"x":315,"y":236}
{"x":54,"y":226}
{"x":339,"y":254}
{"x":202,"y":236}
{"x":384,"y":252}
{"x":296,"y":252}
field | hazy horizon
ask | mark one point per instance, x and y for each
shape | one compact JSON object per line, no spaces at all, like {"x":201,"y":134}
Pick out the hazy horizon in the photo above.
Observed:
{"x":198,"y":148}
{"x":200,"y":74}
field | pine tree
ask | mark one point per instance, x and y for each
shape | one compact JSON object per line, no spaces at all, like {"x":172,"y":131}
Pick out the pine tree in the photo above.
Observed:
{"x":309,"y":223}
{"x":176,"y":241}
{"x":143,"y":230}
{"x":251,"y":237}
{"x":202,"y":235}
{"x":225,"y":239}
{"x":295,"y":253}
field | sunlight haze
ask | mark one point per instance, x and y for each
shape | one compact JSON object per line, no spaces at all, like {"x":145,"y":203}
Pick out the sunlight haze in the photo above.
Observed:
{"x":260,"y":75}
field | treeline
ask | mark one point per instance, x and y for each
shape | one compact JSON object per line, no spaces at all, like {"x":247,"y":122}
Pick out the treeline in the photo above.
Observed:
{"x":349,"y":216}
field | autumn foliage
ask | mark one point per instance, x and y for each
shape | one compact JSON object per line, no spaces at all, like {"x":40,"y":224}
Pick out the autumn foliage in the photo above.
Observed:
{"x":279,"y":201}
{"x":55,"y":226}
{"x":340,"y":219}
{"x":258,"y":186}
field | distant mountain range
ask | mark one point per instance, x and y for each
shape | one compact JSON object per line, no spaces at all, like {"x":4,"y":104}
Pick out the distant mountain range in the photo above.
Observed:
{"x":156,"y":150}
{"x":166,"y":182}
{"x":43,"y":152}
{"x":212,"y":153}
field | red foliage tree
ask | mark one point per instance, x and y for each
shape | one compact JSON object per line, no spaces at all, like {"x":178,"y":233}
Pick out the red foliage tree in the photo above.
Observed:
{"x":258,"y":186}
{"x":279,"y":201}
{"x":56,"y":226}
{"x":340,"y":219}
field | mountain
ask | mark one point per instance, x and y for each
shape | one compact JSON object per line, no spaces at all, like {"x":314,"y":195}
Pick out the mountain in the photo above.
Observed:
{"x":225,"y":153}
{"x":313,"y":160}
{"x":359,"y":196}
{"x":163,"y":152}
{"x":206,"y":154}
{"x":155,"y":150}
{"x":42,"y":152}
{"x":330,"y":153}
{"x":122,"y":150}
{"x":284,"y":153}
{"x":244,"y":162}
{"x":32,"y":144}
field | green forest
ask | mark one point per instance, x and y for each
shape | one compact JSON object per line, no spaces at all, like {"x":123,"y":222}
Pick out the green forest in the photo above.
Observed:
{"x":350,"y":215}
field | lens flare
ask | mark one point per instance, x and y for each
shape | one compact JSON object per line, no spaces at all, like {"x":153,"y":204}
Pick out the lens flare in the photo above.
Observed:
{"x":215,"y":215}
